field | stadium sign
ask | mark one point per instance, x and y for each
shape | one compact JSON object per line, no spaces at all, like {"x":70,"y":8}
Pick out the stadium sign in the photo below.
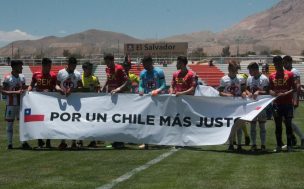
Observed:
{"x":160,"y":120}
{"x":156,"y":49}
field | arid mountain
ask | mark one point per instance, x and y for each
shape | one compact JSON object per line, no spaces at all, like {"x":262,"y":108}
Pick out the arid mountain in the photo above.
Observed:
{"x":84,"y":43}
{"x":278,"y":28}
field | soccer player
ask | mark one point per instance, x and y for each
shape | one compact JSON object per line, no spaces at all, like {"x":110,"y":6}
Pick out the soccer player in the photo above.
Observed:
{"x":44,"y":81}
{"x":287,"y":62}
{"x":233,"y":85}
{"x":116,"y":82}
{"x":282,"y":86}
{"x":68,"y":81}
{"x":13,"y":87}
{"x":152,"y":80}
{"x":257,"y":84}
{"x":244,"y":128}
{"x":116,"y":76}
{"x":90,"y":83}
{"x":133,"y":79}
{"x":183,"y":81}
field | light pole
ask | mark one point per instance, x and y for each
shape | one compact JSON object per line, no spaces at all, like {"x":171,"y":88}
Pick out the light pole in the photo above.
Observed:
{"x":12,"y":51}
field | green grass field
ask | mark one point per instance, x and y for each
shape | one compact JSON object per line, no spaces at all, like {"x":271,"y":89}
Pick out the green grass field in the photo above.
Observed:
{"x":205,"y":167}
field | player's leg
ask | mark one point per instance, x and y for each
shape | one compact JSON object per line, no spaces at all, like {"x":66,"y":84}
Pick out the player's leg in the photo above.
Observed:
{"x":253,"y":135}
{"x":277,"y":116}
{"x":9,"y":117}
{"x":263,"y":134}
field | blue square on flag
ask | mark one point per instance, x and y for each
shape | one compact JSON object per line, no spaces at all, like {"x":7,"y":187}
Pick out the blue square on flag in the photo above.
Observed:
{"x":27,"y":111}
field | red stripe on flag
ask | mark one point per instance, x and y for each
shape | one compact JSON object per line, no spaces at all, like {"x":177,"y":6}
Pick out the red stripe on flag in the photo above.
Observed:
{"x":257,"y":108}
{"x":29,"y":118}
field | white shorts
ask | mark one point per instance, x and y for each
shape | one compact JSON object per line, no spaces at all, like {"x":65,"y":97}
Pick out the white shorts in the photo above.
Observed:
{"x":12,"y":113}
{"x":262,"y":117}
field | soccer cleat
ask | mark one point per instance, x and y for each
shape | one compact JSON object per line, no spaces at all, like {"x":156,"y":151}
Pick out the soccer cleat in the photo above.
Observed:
{"x":10,"y":146}
{"x":146,"y":147}
{"x":239,"y":148}
{"x":48,"y":143}
{"x":80,"y":143}
{"x":247,"y":140}
{"x":74,"y":145}
{"x":254,"y":148}
{"x":26,"y":146}
{"x":289,"y":149}
{"x":40,"y":143}
{"x":109,"y":146}
{"x":142,"y":146}
{"x":92,"y":144}
{"x":278,"y":149}
{"x":118,"y":145}
{"x":293,"y":140}
{"x":263,"y":148}
{"x":230,"y":148}
{"x":62,"y":146}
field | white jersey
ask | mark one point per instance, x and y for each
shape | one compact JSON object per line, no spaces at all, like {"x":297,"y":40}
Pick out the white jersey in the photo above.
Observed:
{"x":259,"y":83}
{"x":296,"y":73}
{"x":232,"y":85}
{"x":68,"y":80}
{"x":13,"y":84}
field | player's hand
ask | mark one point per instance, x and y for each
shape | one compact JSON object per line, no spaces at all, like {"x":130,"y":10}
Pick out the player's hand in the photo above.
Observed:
{"x":255,"y":95}
{"x":61,"y":91}
{"x":20,"y":91}
{"x":272,"y":93}
{"x":154,"y":93}
{"x":114,"y":91}
{"x":178,"y":94}
{"x":68,"y":92}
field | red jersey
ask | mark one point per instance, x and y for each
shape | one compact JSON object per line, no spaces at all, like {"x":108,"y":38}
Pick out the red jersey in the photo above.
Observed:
{"x":44,"y":82}
{"x":182,"y":82}
{"x":116,"y":77}
{"x":282,"y":83}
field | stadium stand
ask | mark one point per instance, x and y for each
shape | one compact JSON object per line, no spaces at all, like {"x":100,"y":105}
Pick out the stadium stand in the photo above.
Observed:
{"x":54,"y":69}
{"x":210,"y":75}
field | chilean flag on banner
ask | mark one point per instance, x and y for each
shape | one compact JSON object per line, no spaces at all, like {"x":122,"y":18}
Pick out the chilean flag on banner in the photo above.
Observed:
{"x":28,"y":117}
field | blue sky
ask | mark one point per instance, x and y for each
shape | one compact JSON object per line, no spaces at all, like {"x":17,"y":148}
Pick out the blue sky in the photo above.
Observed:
{"x":144,"y":19}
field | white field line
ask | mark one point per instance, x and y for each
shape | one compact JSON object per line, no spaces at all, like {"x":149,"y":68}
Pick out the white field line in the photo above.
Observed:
{"x":129,"y":174}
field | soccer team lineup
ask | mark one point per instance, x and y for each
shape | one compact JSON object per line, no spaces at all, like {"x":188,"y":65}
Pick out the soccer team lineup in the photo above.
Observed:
{"x":283,"y":85}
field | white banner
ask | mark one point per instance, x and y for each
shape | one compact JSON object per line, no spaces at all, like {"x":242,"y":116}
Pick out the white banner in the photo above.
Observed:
{"x":162,"y":120}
